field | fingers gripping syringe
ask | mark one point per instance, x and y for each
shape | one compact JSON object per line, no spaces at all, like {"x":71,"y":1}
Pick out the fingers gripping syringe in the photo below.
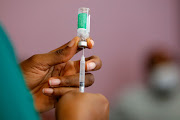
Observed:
{"x":83,"y":30}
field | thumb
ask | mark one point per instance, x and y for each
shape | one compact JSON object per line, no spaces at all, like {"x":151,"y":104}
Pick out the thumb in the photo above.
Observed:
{"x":61,"y":55}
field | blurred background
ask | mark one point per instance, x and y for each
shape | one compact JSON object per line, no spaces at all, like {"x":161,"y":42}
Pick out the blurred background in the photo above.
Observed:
{"x":124,"y":32}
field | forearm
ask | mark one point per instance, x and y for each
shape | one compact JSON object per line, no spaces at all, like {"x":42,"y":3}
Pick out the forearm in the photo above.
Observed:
{"x":82,"y":106}
{"x":72,"y":112}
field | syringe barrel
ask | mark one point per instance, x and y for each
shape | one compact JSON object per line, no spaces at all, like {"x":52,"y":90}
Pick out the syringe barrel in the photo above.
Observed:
{"x":82,"y":74}
{"x":83,"y":25}
{"x":82,"y":70}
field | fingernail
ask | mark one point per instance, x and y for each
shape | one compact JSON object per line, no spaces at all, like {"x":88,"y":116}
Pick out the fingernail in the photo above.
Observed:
{"x":54,"y":82}
{"x":92,"y":42}
{"x":71,"y":43}
{"x":47,"y":90}
{"x":91,"y":66}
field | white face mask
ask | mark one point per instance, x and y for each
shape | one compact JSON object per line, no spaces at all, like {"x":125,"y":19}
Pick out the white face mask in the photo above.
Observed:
{"x":165,"y":77}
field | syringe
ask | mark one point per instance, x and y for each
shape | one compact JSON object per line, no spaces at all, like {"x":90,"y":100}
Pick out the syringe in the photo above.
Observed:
{"x":83,"y":31}
{"x":82,"y":73}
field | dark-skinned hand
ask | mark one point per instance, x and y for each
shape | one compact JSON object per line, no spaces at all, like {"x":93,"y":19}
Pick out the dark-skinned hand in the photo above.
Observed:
{"x":52,"y":74}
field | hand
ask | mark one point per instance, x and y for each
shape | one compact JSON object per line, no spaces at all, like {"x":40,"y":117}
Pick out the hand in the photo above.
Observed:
{"x":55,"y":70}
{"x":82,"y":106}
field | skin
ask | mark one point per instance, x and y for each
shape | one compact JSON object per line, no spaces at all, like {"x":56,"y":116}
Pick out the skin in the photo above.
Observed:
{"x":82,"y":106}
{"x":41,"y":70}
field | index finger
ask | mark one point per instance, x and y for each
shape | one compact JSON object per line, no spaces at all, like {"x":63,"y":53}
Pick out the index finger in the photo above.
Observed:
{"x":90,"y":44}
{"x":92,"y":63}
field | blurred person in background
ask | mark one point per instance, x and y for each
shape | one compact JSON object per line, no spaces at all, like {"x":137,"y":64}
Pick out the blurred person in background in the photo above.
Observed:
{"x":159,"y":98}
{"x":52,"y":79}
